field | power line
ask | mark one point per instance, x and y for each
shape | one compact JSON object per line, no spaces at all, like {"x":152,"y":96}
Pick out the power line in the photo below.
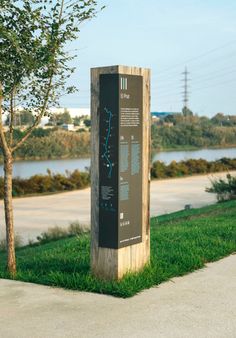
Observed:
{"x":176,"y":93}
{"x":199,"y":88}
{"x":199,"y":56}
{"x":200,"y":79}
{"x":211,"y":78}
{"x":166,"y":83}
{"x":216,"y":85}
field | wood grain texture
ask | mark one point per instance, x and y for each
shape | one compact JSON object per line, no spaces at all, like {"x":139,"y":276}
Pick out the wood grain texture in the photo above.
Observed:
{"x":114,"y":263}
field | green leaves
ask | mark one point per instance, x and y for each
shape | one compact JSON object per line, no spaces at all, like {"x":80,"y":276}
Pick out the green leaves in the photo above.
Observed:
{"x":33,"y":39}
{"x":225,"y":189}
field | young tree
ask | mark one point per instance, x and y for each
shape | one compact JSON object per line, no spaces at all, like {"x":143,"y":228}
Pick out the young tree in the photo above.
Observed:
{"x":34,"y":69}
{"x":22,"y":118}
{"x":187,"y":112}
{"x":58,"y":119}
{"x":87,"y":123}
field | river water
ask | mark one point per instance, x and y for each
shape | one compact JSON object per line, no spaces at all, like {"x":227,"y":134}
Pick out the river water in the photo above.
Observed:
{"x":25,"y":169}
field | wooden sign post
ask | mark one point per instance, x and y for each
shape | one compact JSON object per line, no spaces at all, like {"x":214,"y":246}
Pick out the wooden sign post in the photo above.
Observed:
{"x":120,"y":170}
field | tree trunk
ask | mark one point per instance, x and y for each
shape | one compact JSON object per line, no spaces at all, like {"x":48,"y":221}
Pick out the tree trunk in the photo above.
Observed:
{"x":11,"y":259}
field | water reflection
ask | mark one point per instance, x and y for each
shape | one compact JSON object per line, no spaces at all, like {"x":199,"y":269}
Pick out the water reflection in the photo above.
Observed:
{"x":26,"y":169}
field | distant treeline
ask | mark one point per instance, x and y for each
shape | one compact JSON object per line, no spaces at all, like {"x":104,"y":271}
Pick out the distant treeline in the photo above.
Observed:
{"x":177,"y":131}
{"x":52,"y":183}
{"x":53,"y":144}
{"x":192,"y":136}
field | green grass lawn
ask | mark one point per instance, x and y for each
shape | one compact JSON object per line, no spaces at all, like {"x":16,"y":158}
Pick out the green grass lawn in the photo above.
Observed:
{"x":181,"y":242}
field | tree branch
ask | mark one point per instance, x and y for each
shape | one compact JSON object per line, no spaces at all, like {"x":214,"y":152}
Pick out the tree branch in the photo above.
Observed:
{"x":43,"y":109}
{"x":37,"y":119}
{"x":12,"y":111}
{"x":61,"y":10}
{"x":3,"y":140}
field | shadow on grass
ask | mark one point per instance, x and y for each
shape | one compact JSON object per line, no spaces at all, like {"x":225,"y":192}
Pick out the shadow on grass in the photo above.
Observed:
{"x":180,"y":244}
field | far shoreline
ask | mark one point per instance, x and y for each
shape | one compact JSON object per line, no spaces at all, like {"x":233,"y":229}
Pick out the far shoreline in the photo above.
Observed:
{"x":192,"y":148}
{"x":88,"y":155}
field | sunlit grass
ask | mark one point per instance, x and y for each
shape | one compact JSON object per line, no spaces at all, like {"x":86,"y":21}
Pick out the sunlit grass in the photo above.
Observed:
{"x":180,"y":243}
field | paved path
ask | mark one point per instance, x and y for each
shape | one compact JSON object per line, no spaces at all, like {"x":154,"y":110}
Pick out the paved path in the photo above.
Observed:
{"x":36,"y":214}
{"x":201,"y":305}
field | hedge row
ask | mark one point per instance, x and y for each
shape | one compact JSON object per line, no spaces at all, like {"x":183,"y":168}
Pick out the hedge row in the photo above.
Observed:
{"x":77,"y":180}
{"x":48,"y":183}
{"x":191,"y":167}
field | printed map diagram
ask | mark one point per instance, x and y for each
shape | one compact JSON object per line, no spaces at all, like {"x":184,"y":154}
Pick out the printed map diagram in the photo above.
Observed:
{"x":107,"y":146}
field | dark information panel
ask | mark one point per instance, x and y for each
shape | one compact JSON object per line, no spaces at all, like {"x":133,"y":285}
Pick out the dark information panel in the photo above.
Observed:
{"x":120,"y":160}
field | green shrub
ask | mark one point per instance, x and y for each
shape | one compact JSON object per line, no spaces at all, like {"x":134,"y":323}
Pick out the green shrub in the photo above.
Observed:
{"x":56,"y":233}
{"x":191,"y":167}
{"x":52,"y":234}
{"x":18,"y":242}
{"x":225,"y":189}
{"x":49,"y":183}
{"x":76,"y":229}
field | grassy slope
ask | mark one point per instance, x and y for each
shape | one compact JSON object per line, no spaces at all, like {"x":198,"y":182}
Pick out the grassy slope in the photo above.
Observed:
{"x":180,"y":243}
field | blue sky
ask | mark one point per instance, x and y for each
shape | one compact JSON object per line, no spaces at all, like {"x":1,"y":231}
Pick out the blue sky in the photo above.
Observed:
{"x":166,"y":36}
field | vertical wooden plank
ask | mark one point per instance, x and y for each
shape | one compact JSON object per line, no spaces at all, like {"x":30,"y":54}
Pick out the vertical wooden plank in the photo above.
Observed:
{"x":114,"y":263}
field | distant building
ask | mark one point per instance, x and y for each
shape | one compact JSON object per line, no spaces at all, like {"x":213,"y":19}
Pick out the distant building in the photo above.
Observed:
{"x":168,"y":124}
{"x":68,"y":127}
{"x":161,"y":115}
